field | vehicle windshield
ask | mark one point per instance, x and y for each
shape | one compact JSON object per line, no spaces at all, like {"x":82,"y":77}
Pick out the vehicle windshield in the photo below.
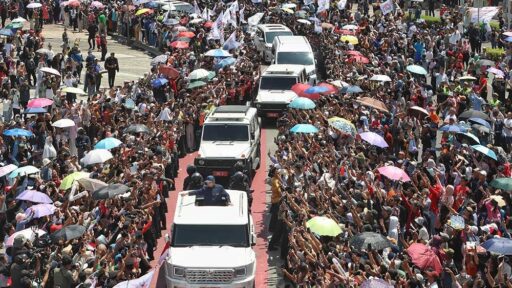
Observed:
{"x":269,"y":36}
{"x":224,"y":132}
{"x":277,"y":83}
{"x":210,"y":235}
{"x":298,"y":58}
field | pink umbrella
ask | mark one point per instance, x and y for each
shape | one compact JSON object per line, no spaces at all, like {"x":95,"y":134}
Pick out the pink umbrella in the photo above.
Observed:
{"x":7,"y":169}
{"x":496,"y":71}
{"x":394,"y":173}
{"x":40,"y":210}
{"x":97,"y":4}
{"x":374,"y":139}
{"x":508,"y":33}
{"x":423,"y":257}
{"x":29,"y":233}
{"x":39,"y":103}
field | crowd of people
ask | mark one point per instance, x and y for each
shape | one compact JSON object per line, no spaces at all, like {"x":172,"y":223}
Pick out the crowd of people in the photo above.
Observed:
{"x":408,"y":156}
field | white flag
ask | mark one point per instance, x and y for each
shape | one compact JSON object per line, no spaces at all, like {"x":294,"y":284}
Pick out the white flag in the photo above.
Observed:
{"x":206,"y":15}
{"x":342,"y":4}
{"x":255,"y":19}
{"x":318,"y":25}
{"x":218,"y":23}
{"x":242,"y":16}
{"x":387,"y":7}
{"x":197,"y":10}
{"x":234,"y":6}
{"x":484,"y":14}
{"x":323,"y":5}
{"x":231,"y":43}
{"x":226,"y":17}
{"x":214,"y":33}
{"x":141,"y":282}
{"x":222,"y":35}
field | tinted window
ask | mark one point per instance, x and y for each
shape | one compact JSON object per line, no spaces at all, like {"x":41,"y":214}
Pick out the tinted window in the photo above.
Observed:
{"x":271,"y":35}
{"x":299,"y":58}
{"x":210,"y":235}
{"x":277,"y":83}
{"x":213,"y":132}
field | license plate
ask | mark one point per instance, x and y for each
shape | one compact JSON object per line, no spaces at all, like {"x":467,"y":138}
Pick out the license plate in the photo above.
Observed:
{"x":221,"y":173}
{"x":273,"y":115}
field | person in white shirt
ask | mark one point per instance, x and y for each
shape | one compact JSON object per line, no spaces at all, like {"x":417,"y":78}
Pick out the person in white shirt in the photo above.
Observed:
{"x":507,"y":131}
{"x":454,"y":37}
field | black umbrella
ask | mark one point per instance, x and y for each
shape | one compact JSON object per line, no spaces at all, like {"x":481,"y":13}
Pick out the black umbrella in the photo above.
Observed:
{"x":109,"y":191}
{"x":474,"y":114}
{"x":363,"y":240}
{"x":68,"y":233}
{"x":138,"y":128}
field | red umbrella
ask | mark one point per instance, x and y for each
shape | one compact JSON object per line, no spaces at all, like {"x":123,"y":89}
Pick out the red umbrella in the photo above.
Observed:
{"x":358,"y":59}
{"x":332,"y":88}
{"x":73,"y":3}
{"x":423,"y":257}
{"x":208,"y":24}
{"x":187,"y":34}
{"x":313,"y":96}
{"x":299,"y":89}
{"x":169,"y":71}
{"x":354,"y":53}
{"x":179,"y":44}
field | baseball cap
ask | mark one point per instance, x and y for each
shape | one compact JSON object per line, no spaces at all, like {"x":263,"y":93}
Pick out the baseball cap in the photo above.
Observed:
{"x":210,"y":178}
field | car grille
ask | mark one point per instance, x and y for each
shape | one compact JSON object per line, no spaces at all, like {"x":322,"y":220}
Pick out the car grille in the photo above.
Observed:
{"x":273,"y":106}
{"x":209,"y":276}
{"x":220,"y":163}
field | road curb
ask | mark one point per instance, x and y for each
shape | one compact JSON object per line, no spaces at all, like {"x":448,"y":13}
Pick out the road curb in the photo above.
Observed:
{"x":134,"y":44}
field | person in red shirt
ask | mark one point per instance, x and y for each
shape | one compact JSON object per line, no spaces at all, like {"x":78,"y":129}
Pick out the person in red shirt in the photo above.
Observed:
{"x":460,"y":194}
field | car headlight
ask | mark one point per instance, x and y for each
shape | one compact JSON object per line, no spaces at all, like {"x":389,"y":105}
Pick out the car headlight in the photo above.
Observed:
{"x":178,"y":272}
{"x":258,"y":105}
{"x":200,"y":162}
{"x":244,"y":271}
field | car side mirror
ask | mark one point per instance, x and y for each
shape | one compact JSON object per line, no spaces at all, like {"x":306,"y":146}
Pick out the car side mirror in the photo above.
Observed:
{"x":261,"y":39}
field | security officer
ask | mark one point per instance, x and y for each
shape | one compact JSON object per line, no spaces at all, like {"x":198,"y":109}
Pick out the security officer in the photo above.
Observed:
{"x":112,"y":66}
{"x":212,"y":194}
{"x":195,"y":182}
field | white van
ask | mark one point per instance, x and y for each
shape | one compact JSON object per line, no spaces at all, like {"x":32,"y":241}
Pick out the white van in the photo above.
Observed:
{"x":264,"y":37}
{"x":295,"y":50}
{"x":275,"y":92}
{"x":211,"y":246}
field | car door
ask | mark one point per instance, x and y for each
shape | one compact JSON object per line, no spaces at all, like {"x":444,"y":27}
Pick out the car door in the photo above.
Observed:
{"x":255,"y":131}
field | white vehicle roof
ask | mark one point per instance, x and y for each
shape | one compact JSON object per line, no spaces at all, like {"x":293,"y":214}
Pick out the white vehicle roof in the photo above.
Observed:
{"x":235,"y":214}
{"x":284,"y":69}
{"x":292,"y":44}
{"x":231,"y":114}
{"x":273,"y":27}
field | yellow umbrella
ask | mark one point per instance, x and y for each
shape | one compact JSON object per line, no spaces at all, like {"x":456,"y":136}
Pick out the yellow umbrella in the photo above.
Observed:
{"x":499,"y":199}
{"x":351,"y":39}
{"x":288,"y":10}
{"x":142,"y":11}
{"x":342,"y":124}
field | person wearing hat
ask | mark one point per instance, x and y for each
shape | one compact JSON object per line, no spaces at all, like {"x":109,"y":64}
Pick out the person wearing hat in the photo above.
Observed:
{"x":64,"y":276}
{"x":211,"y":194}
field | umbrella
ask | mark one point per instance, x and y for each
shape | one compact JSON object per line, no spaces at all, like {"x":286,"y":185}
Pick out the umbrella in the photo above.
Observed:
{"x":289,"y":5}
{"x":316,"y":89}
{"x":486,"y":151}
{"x":129,"y":104}
{"x":304,"y":128}
{"x":340,"y":84}
{"x":354,"y":53}
{"x":39,"y":103}
{"x":416,"y":69}
{"x":419,"y":109}
{"x":351,"y":89}
{"x":39,"y":110}
{"x":91,"y":184}
{"x":29,"y":233}
{"x":470,"y":136}
{"x":7,"y":169}
{"x":180,"y":45}
{"x":481,"y":128}
{"x":302,"y":103}
{"x":217,"y":53}
{"x":381,"y":78}
{"x":287,"y":10}
{"x":73,"y":90}
{"x":50,"y":71}
{"x":323,"y":226}
{"x":68,"y":233}
{"x":197,"y":21}
{"x":169,"y":71}
{"x":450,"y":128}
{"x":6,"y":32}
{"x":138,"y":128}
{"x":500,"y":183}
{"x":485,"y":62}
{"x":97,"y":156}
{"x":343,"y":125}
{"x":423,"y":257}
{"x":299,"y":88}
{"x":25,"y":170}
{"x":160,"y":59}
{"x":143,"y":11}
{"x":346,"y":32}
{"x":350,"y":27}
{"x":159,"y":82}
{"x":34,"y":5}
{"x":501,"y":245}
{"x":18,"y":132}
{"x":64,"y":123}
{"x":304,"y":21}
{"x":68,"y":181}
{"x":474,"y":114}
{"x":108,"y":143}
{"x":508,"y":39}
{"x":499,"y":199}
{"x":110,"y":191}
{"x":376,"y":283}
{"x":394,"y":173}
{"x":350,"y":39}
{"x":373,"y":103}
{"x":73,"y":3}
{"x":41,"y":210}
{"x":359,"y":59}
{"x":195,"y":84}
{"x":14,"y":25}
{"x":171,"y":21}
{"x":374,"y":139}
{"x":331,"y":88}
{"x":508,"y":33}
{"x":363,"y":240}
{"x":226,"y":62}
{"x":19,"y":20}
{"x":187,"y":34}
{"x":496,"y":71}
{"x":301,"y":14}
{"x":97,"y":4}
{"x":34,"y":196}
{"x":466,"y":78}
{"x":480,"y":121}
{"x":43,"y":51}
{"x":198,"y":74}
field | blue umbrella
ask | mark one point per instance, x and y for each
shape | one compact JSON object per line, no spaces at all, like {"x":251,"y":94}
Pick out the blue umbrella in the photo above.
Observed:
{"x":225,"y":62}
{"x":302,"y":103}
{"x":470,"y":136}
{"x":151,"y":5}
{"x":6,"y":32}
{"x":217,"y":53}
{"x":351,"y":89}
{"x":108,"y":143}
{"x":451,"y":128}
{"x":316,"y":89}
{"x":157,"y":83}
{"x":508,"y":39}
{"x":501,"y":246}
{"x":35,"y":110}
{"x":480,"y":121}
{"x":416,"y":69}
{"x":486,"y":151}
{"x":129,"y":104}
{"x":17,"y":132}
{"x":304,"y":128}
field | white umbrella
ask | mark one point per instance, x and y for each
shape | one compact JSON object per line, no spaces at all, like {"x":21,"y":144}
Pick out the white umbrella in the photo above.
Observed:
{"x":19,"y":20}
{"x":50,"y":71}
{"x":28,"y":233}
{"x":73,"y":90}
{"x":63,"y":123}
{"x":168,"y":7}
{"x":96,"y":156}
{"x":198,"y":74}
{"x":217,"y":53}
{"x":34,"y":5}
{"x":381,"y":78}
{"x":25,"y":170}
{"x":289,"y":5}
{"x":196,"y":21}
{"x":304,"y":21}
{"x":350,"y":27}
{"x":91,"y":184}
{"x":7,"y":169}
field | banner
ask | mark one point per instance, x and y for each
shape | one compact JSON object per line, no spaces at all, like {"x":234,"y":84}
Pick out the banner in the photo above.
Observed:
{"x":231,"y":43}
{"x":323,"y":5}
{"x":387,"y":7}
{"x":484,"y":14}
{"x":342,"y":4}
{"x":255,"y":19}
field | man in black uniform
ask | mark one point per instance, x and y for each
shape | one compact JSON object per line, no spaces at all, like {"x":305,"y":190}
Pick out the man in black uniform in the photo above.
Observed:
{"x":112,"y":66}
{"x":212,"y":194}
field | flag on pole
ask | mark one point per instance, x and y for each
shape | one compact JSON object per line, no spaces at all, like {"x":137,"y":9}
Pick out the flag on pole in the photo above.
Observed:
{"x":231,"y":43}
{"x":323,"y":5}
{"x":226,"y":17}
{"x":255,"y":19}
{"x":387,"y":7}
{"x":197,"y":10}
{"x":342,"y":4}
{"x":234,"y":6}
{"x":242,"y":16}
{"x":205,"y":15}
{"x":141,"y":282}
{"x":221,"y":35}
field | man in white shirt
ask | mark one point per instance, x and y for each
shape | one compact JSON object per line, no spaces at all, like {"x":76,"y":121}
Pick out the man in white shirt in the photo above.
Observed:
{"x":454,"y":37}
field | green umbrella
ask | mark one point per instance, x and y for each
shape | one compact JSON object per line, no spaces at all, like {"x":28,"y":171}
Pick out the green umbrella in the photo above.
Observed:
{"x":416,"y":69}
{"x":323,"y":226}
{"x":14,"y":25}
{"x":195,"y":84}
{"x":68,"y":181}
{"x":502,"y":183}
{"x":211,"y":75}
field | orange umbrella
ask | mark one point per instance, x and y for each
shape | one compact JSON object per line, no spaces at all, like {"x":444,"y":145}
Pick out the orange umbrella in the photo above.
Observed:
{"x":169,"y":71}
{"x":180,"y":44}
{"x":186,"y":34}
